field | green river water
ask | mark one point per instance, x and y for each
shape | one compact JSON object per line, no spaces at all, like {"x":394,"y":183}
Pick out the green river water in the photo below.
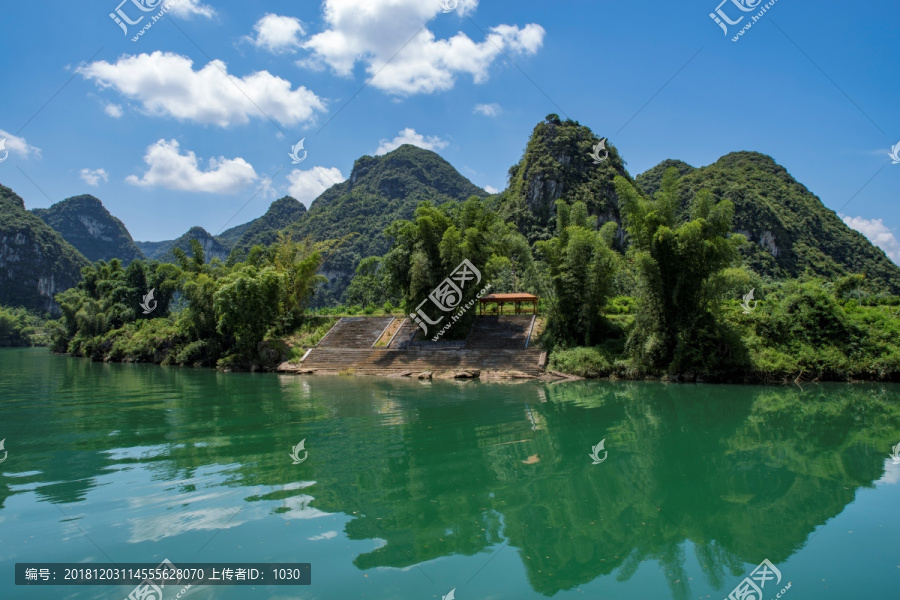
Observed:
{"x":412,"y":489}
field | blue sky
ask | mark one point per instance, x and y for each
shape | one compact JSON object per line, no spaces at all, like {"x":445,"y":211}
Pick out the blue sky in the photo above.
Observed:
{"x":158,"y":132}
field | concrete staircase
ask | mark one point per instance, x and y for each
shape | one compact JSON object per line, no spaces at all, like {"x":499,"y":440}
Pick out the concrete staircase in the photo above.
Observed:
{"x":355,"y":332}
{"x":395,"y":362}
{"x":494,"y":344}
{"x":500,"y":332}
{"x":404,"y":335}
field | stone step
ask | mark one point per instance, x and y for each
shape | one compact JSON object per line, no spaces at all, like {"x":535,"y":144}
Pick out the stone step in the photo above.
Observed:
{"x":355,"y":332}
{"x":404,"y":335}
{"x":500,"y":332}
{"x":389,"y":360}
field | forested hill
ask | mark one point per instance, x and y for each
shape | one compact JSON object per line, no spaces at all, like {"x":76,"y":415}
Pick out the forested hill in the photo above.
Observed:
{"x":35,"y":261}
{"x":380,"y":190}
{"x":650,"y":180}
{"x":212,"y":246}
{"x":264,"y":230}
{"x":85,"y":223}
{"x":793,"y":232}
{"x":557,"y":164}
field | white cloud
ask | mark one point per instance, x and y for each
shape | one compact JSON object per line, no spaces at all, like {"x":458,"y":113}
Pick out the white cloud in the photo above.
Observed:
{"x":175,"y":171}
{"x":323,"y":536}
{"x":409,"y":136}
{"x":113,"y":110}
{"x":488,"y":110}
{"x":491,"y":189}
{"x":17,"y":145}
{"x":187,"y":9}
{"x":374,"y":32}
{"x":277,"y":34}
{"x":94,"y":176}
{"x":307,"y":185}
{"x":166,"y":84}
{"x":877,"y":233}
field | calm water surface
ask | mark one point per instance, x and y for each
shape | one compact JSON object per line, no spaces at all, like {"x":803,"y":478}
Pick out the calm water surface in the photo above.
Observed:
{"x":414,"y":488}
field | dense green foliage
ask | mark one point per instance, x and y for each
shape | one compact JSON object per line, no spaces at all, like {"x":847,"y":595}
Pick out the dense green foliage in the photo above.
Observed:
{"x":815,"y":329}
{"x":638,"y":277}
{"x":679,"y":263}
{"x":371,"y":287}
{"x":207,"y":313}
{"x":794,"y":233}
{"x":429,"y":248}
{"x":380,"y":191}
{"x":811,"y":330}
{"x":264,"y":230}
{"x":35,"y":261}
{"x":581,"y":265}
{"x":557,"y":165}
{"x":18,"y":327}
{"x":85,"y":223}
{"x":651,"y":180}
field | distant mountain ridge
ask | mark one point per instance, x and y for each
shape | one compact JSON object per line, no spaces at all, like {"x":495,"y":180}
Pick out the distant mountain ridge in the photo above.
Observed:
{"x":379,"y":191}
{"x":793,"y":232}
{"x":85,"y":223}
{"x":36,"y":262}
{"x":264,"y":230}
{"x":213,"y":247}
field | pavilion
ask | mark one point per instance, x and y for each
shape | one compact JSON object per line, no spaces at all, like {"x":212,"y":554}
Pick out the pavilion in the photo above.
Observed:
{"x":516,"y":299}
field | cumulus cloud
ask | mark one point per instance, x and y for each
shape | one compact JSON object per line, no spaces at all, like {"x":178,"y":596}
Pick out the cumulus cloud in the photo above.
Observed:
{"x":277,"y":34}
{"x":877,"y":233}
{"x":488,"y":110}
{"x":171,"y":169}
{"x":113,"y":110}
{"x":307,"y":185}
{"x":94,"y":176}
{"x":491,"y":189}
{"x":373,"y":34}
{"x":17,"y":145}
{"x":167,"y":85}
{"x":409,"y":136}
{"x":188,"y":9}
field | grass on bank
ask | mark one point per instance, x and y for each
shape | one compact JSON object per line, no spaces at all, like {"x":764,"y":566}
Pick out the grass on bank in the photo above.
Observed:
{"x":20,"y":328}
{"x":803,"y":331}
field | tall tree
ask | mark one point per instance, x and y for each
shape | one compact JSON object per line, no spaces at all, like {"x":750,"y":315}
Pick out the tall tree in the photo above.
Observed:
{"x":581,"y":265}
{"x":678,"y":262}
